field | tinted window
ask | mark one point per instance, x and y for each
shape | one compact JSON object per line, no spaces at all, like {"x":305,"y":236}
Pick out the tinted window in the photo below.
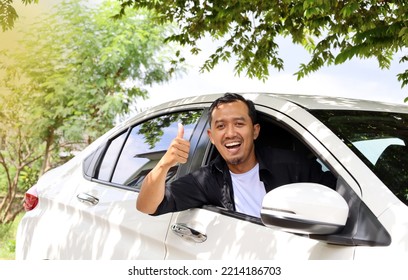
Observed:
{"x":380,"y":139}
{"x":145,"y":145}
{"x":107,"y":164}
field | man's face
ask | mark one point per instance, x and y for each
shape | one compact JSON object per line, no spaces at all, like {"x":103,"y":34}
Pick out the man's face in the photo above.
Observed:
{"x":233,"y":134}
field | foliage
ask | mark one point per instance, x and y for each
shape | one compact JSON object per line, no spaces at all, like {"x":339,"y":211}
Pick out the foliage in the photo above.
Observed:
{"x":332,"y":31}
{"x":7,"y":239}
{"x":8,"y":14}
{"x":76,"y":70}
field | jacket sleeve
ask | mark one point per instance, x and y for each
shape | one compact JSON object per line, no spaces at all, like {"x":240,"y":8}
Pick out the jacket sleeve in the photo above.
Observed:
{"x":181,"y":194}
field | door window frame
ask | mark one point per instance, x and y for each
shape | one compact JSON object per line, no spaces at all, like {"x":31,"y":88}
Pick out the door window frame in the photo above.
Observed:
{"x":91,"y":163}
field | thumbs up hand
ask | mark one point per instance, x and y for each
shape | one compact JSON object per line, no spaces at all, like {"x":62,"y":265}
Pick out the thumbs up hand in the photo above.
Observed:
{"x":178,"y":149}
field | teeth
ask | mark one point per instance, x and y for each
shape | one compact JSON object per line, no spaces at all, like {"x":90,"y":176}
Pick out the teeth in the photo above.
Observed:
{"x":232,"y":144}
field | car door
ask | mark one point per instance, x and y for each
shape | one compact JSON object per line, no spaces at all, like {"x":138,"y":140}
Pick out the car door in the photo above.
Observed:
{"x":214,"y":233}
{"x":110,"y":227}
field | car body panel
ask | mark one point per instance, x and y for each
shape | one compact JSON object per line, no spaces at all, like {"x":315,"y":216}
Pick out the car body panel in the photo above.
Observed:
{"x":72,"y":229}
{"x":395,"y":219}
{"x":118,"y":231}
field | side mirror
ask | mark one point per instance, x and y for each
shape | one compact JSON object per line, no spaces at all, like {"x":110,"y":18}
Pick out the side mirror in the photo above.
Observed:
{"x":305,"y":208}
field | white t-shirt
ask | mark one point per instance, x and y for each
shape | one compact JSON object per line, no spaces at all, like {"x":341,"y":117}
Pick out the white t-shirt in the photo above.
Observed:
{"x":249,"y":192}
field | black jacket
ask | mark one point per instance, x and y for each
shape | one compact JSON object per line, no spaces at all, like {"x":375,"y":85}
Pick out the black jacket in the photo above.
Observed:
{"x":212,"y":185}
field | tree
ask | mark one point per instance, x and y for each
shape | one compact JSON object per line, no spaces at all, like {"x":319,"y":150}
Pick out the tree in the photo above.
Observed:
{"x":332,"y":31}
{"x":8,"y":14}
{"x":19,"y":150}
{"x":76,"y":70}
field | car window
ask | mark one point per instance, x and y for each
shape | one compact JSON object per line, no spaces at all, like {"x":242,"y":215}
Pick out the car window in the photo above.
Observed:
{"x":106,"y":166}
{"x":144,"y":145}
{"x":380,"y":139}
{"x":277,"y":135}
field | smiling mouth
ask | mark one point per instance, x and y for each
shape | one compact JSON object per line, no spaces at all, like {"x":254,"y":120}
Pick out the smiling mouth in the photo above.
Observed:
{"x":233,"y":145}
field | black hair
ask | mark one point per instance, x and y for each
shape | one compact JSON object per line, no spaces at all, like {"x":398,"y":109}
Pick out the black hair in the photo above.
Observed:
{"x":233,"y":97}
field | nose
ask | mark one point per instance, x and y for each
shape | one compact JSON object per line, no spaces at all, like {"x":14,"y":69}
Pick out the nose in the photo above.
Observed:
{"x":230,"y":131}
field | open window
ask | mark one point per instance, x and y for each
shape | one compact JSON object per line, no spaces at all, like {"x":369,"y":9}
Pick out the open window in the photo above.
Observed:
{"x":275,"y":135}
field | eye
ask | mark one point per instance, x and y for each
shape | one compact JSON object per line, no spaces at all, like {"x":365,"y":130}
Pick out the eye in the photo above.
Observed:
{"x":220,"y":126}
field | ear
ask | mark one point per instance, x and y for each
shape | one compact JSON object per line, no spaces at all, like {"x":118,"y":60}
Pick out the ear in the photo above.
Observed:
{"x":257,"y":129}
{"x":210,"y":135}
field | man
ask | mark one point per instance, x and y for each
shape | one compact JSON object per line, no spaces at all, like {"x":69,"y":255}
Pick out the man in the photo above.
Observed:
{"x":238,"y":178}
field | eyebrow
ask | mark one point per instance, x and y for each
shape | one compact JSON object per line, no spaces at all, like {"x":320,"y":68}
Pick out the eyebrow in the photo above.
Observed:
{"x":233,"y":119}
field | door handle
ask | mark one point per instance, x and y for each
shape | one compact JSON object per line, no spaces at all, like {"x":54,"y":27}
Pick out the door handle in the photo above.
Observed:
{"x":186,"y":232}
{"x":87,"y":199}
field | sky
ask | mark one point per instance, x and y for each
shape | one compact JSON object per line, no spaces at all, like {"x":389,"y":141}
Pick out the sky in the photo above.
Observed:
{"x":360,"y":79}
{"x":357,"y":78}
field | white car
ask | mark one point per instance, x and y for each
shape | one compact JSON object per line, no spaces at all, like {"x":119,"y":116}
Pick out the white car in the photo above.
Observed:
{"x":85,"y":209}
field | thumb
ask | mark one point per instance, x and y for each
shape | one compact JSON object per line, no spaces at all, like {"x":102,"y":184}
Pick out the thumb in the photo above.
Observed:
{"x":180,"y":133}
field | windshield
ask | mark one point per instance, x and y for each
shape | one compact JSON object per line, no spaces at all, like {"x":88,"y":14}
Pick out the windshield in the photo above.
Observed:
{"x":380,"y":139}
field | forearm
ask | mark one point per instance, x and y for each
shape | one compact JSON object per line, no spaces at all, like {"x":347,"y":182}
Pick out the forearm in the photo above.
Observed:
{"x":152,"y":190}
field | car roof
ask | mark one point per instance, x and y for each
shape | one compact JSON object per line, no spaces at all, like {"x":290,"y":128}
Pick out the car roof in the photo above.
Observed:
{"x":312,"y":102}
